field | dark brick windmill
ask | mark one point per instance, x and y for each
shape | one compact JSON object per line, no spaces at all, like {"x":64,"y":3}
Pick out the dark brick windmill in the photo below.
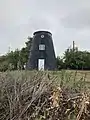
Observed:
{"x":42,"y":55}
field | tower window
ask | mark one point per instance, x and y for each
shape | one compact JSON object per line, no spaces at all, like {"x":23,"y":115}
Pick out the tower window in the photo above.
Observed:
{"x":41,"y":47}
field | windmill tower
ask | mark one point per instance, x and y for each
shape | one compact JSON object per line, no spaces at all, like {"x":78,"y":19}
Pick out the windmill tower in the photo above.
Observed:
{"x":42,"y":56}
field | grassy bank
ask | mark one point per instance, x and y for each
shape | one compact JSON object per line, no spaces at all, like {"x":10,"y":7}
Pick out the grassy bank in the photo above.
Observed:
{"x":62,"y":95}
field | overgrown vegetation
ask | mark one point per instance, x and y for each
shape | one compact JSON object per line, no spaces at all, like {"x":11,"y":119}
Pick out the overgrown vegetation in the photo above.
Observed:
{"x":26,"y":95}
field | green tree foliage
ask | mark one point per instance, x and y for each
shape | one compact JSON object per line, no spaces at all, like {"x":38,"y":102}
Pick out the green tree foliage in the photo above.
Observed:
{"x":16,"y":59}
{"x":3,"y":63}
{"x":24,"y":53}
{"x":75,"y":59}
{"x":13,"y":59}
{"x":60,"y":63}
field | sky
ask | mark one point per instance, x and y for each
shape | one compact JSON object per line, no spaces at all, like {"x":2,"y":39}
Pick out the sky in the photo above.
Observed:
{"x":68,"y":20}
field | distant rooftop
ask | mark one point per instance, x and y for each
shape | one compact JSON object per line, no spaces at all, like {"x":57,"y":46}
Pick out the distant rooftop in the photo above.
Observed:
{"x":38,"y":32}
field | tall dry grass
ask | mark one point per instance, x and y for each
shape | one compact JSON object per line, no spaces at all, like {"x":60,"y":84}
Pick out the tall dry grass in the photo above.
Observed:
{"x":26,"y":95}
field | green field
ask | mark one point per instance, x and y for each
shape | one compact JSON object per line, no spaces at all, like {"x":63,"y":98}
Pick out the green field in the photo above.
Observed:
{"x":48,"y":95}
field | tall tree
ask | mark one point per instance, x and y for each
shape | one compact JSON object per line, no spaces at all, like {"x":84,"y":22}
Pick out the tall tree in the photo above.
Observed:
{"x":24,"y":53}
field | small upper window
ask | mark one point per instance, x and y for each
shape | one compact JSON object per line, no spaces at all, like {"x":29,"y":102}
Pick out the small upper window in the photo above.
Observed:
{"x":41,"y":47}
{"x":42,"y":36}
